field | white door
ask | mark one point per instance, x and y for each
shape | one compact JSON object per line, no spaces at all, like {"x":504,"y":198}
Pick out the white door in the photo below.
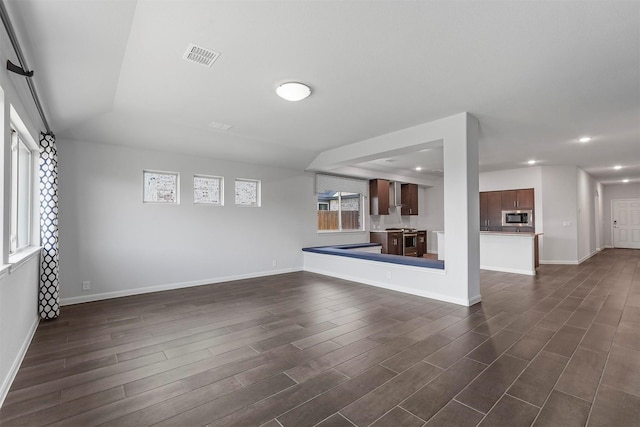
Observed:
{"x":626,"y":223}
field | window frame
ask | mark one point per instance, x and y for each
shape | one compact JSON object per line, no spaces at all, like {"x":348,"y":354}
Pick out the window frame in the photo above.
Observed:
{"x":22,"y":207}
{"x":175,"y":201}
{"x":258,"y":201}
{"x":220,"y":180}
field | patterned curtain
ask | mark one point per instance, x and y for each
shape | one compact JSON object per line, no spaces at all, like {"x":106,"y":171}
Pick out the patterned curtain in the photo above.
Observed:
{"x":49,"y":295}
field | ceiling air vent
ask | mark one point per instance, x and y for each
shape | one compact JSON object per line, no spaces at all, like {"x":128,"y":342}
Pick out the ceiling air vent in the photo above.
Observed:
{"x":200,"y":55}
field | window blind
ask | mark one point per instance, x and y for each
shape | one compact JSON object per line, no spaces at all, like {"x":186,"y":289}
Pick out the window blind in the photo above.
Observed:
{"x":326,"y":183}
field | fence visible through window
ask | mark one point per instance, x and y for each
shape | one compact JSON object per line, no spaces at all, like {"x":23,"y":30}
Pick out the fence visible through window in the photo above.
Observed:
{"x":339,"y":211}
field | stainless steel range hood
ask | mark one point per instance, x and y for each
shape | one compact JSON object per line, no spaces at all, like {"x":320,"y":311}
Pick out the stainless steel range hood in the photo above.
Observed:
{"x":395,"y":194}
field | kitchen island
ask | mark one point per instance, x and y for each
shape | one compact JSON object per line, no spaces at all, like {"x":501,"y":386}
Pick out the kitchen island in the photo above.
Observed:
{"x":509,"y":252}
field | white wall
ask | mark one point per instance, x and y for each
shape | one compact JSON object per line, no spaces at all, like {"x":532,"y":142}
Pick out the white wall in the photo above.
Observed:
{"x":612,"y":192}
{"x":587,"y":191}
{"x":432,"y":204}
{"x":599,"y":214}
{"x":123,"y":246}
{"x":560,"y":215}
{"x":18,"y":318}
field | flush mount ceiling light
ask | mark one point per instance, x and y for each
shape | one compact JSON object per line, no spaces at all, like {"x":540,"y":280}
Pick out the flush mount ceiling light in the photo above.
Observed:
{"x":584,"y":139}
{"x":531,"y":162}
{"x":219,"y":126}
{"x":418,"y":168}
{"x":625,"y":180}
{"x":293,"y":91}
{"x":617,"y":167}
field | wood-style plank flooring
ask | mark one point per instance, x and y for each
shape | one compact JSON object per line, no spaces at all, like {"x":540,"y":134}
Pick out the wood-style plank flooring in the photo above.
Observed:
{"x":300,"y":349}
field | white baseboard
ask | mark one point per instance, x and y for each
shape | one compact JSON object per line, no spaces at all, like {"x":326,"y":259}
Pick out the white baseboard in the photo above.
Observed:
{"x":6,"y":382}
{"x":508,"y":270}
{"x":171,"y":286}
{"x":583,"y":259}
{"x":563,"y":262}
{"x":558,"y":262}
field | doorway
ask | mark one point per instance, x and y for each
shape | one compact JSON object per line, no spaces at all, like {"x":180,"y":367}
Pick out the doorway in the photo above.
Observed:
{"x":626,"y":223}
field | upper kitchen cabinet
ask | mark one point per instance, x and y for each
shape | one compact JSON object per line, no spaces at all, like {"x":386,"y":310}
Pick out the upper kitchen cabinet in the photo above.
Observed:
{"x":409,"y":197}
{"x":491,"y":211}
{"x":379,"y":197}
{"x":525,"y":199}
{"x":518,"y":199}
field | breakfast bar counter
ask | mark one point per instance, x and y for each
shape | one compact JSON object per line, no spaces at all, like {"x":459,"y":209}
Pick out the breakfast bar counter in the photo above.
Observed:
{"x":417,"y":276}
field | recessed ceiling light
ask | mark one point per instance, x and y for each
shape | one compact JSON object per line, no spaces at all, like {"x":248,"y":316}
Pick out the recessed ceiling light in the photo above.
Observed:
{"x":418,"y":168}
{"x":625,"y":180}
{"x":531,"y":162}
{"x":617,"y":167}
{"x":293,"y":91}
{"x":585,"y":139}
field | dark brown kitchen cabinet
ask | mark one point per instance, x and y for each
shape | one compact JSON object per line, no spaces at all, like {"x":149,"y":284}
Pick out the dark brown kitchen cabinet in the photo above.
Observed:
{"x":409,"y":198}
{"x":422,"y":243}
{"x":518,"y":199}
{"x":525,"y":199}
{"x":491,"y":211}
{"x":391,"y":241}
{"x":379,"y":197}
{"x":395,"y":243}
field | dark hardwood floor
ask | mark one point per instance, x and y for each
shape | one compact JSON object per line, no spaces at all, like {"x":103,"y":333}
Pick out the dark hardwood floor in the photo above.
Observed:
{"x":300,"y":349}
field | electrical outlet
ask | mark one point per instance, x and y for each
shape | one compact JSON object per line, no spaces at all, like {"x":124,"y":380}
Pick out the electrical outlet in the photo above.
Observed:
{"x":274,"y":263}
{"x":86,"y":285}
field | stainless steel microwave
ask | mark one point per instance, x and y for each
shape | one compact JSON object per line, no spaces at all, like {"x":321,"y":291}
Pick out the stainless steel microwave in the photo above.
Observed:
{"x":517,"y":218}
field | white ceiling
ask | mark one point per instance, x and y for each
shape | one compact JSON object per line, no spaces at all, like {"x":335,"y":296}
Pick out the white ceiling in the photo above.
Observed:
{"x":537,"y":75}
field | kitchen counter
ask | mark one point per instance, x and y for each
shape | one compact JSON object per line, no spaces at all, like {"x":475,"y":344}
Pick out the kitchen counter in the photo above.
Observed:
{"x":511,"y":252}
{"x":360,"y":251}
{"x":510,"y":233}
{"x":397,"y":231}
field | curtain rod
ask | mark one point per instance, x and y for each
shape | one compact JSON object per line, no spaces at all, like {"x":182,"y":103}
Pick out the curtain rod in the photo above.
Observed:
{"x":16,"y":47}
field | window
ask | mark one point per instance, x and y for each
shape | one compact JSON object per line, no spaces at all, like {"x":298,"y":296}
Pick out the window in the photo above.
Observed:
{"x":247,"y":192}
{"x":208,"y":190}
{"x":21,"y":193}
{"x":160,"y":187}
{"x":340,"y":203}
{"x":340,"y":211}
